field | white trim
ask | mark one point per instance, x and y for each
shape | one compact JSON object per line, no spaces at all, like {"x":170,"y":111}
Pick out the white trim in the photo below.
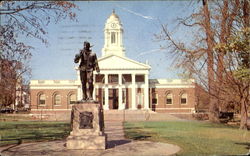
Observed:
{"x":49,"y":109}
{"x":57,"y":105}
{"x":173,"y":108}
{"x":117,"y":86}
{"x":122,"y":71}
{"x":186,"y":98}
{"x":133,"y":93}
{"x":172,"y":99}
{"x":172,"y":86}
{"x":181,"y":113}
{"x":42,"y":104}
{"x":53,"y":87}
{"x":142,"y":65}
{"x":146,"y":92}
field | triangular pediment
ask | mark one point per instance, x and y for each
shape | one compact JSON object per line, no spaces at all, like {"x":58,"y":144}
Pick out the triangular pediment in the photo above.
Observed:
{"x":114,"y":62}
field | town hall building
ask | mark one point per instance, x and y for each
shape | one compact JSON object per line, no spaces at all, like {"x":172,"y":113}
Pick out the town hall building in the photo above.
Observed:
{"x":122,"y":84}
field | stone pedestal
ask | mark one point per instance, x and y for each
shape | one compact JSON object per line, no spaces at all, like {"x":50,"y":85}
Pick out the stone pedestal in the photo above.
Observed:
{"x":87,"y":127}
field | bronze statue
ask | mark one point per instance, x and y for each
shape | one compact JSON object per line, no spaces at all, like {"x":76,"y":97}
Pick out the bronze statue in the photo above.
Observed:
{"x":87,"y":65}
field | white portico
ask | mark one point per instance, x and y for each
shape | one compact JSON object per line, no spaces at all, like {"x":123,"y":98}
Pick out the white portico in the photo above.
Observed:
{"x":122,"y":83}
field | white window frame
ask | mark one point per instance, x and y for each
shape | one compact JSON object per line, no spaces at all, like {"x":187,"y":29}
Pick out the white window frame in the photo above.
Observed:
{"x":166,"y":97}
{"x":186,"y":98}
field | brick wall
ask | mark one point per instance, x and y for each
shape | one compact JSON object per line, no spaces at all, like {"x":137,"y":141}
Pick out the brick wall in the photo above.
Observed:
{"x":49,"y":98}
{"x":176,"y":106}
{"x":161,"y":106}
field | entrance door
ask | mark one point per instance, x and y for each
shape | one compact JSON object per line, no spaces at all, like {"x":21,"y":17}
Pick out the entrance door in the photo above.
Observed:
{"x":113,"y":98}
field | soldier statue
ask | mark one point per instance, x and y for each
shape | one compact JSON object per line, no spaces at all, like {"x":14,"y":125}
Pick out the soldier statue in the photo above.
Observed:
{"x":87,"y":65}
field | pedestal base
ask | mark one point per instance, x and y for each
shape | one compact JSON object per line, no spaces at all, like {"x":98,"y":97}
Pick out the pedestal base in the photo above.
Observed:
{"x":86,"y":142}
{"x":87,"y":127}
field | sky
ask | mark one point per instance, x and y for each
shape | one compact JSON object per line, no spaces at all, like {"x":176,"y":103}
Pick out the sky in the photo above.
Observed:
{"x":141,"y":22}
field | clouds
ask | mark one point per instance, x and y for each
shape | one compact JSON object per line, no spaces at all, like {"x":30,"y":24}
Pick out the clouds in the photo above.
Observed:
{"x":150,"y":51}
{"x":137,"y":14}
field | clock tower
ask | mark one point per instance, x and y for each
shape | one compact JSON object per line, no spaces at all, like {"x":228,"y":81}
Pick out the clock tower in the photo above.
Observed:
{"x":113,"y":32}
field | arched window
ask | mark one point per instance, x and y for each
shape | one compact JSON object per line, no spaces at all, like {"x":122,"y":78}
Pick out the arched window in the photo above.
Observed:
{"x":57,"y":99}
{"x":183,"y":98}
{"x":169,"y":98}
{"x":72,"y":98}
{"x":41,"y":99}
{"x":112,"y":37}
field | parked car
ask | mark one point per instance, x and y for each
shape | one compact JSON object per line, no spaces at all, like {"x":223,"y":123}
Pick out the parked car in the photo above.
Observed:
{"x":6,"y":110}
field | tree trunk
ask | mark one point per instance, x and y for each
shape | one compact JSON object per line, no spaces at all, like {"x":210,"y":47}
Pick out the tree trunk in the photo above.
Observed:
{"x":220,"y":65}
{"x":213,"y":106}
{"x":244,"y":115}
{"x":245,"y":99}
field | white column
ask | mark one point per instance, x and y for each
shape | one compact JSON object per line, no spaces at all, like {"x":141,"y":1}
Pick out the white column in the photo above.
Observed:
{"x":79,"y":92}
{"x":133,"y":93}
{"x":146,"y":95}
{"x":106,"y":90}
{"x":120,"y":104}
{"x":94,"y":89}
{"x":94,"y":93}
{"x":79,"y":88}
{"x":78,"y":74}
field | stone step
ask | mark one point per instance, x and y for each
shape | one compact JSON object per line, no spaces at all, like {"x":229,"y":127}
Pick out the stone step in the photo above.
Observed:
{"x":137,"y":116}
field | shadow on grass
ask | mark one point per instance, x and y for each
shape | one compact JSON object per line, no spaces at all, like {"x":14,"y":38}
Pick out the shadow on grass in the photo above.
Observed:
{"x":114,"y":143}
{"x":138,"y":134}
{"x":247,"y":144}
{"x":33,"y":125}
{"x":34,"y":136}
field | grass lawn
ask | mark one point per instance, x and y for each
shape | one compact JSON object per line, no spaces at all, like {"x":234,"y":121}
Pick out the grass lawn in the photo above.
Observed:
{"x":195,"y":138}
{"x":12,"y":132}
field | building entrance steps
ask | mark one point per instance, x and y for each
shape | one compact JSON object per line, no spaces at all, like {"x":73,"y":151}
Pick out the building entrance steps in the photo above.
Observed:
{"x":137,"y":115}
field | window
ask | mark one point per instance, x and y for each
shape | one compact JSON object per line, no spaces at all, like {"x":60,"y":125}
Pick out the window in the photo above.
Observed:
{"x":41,"y":99}
{"x":57,"y":99}
{"x":113,"y":78}
{"x":169,"y":99}
{"x":72,"y":98}
{"x":126,"y":78}
{"x":112,"y":37}
{"x":154,"y":98}
{"x":184,"y":98}
{"x":139,"y":78}
{"x":99,"y":78}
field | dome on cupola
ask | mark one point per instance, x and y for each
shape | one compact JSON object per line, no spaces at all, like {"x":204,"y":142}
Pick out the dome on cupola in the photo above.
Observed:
{"x":113,"y":17}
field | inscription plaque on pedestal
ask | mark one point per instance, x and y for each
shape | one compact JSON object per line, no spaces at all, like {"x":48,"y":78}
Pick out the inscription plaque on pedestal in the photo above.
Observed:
{"x":86,"y":120}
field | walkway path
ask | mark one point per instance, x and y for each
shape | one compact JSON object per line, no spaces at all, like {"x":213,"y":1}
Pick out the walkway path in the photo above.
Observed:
{"x":117,"y":145}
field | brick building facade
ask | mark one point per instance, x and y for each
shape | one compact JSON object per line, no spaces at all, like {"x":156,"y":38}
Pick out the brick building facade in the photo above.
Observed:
{"x":122,"y":83}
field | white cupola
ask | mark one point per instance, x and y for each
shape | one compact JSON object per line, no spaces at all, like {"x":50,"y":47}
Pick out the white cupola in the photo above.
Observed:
{"x":113,"y":31}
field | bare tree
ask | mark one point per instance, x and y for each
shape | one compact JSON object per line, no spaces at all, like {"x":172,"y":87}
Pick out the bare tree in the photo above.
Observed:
{"x":213,"y":23}
{"x":29,"y":19}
